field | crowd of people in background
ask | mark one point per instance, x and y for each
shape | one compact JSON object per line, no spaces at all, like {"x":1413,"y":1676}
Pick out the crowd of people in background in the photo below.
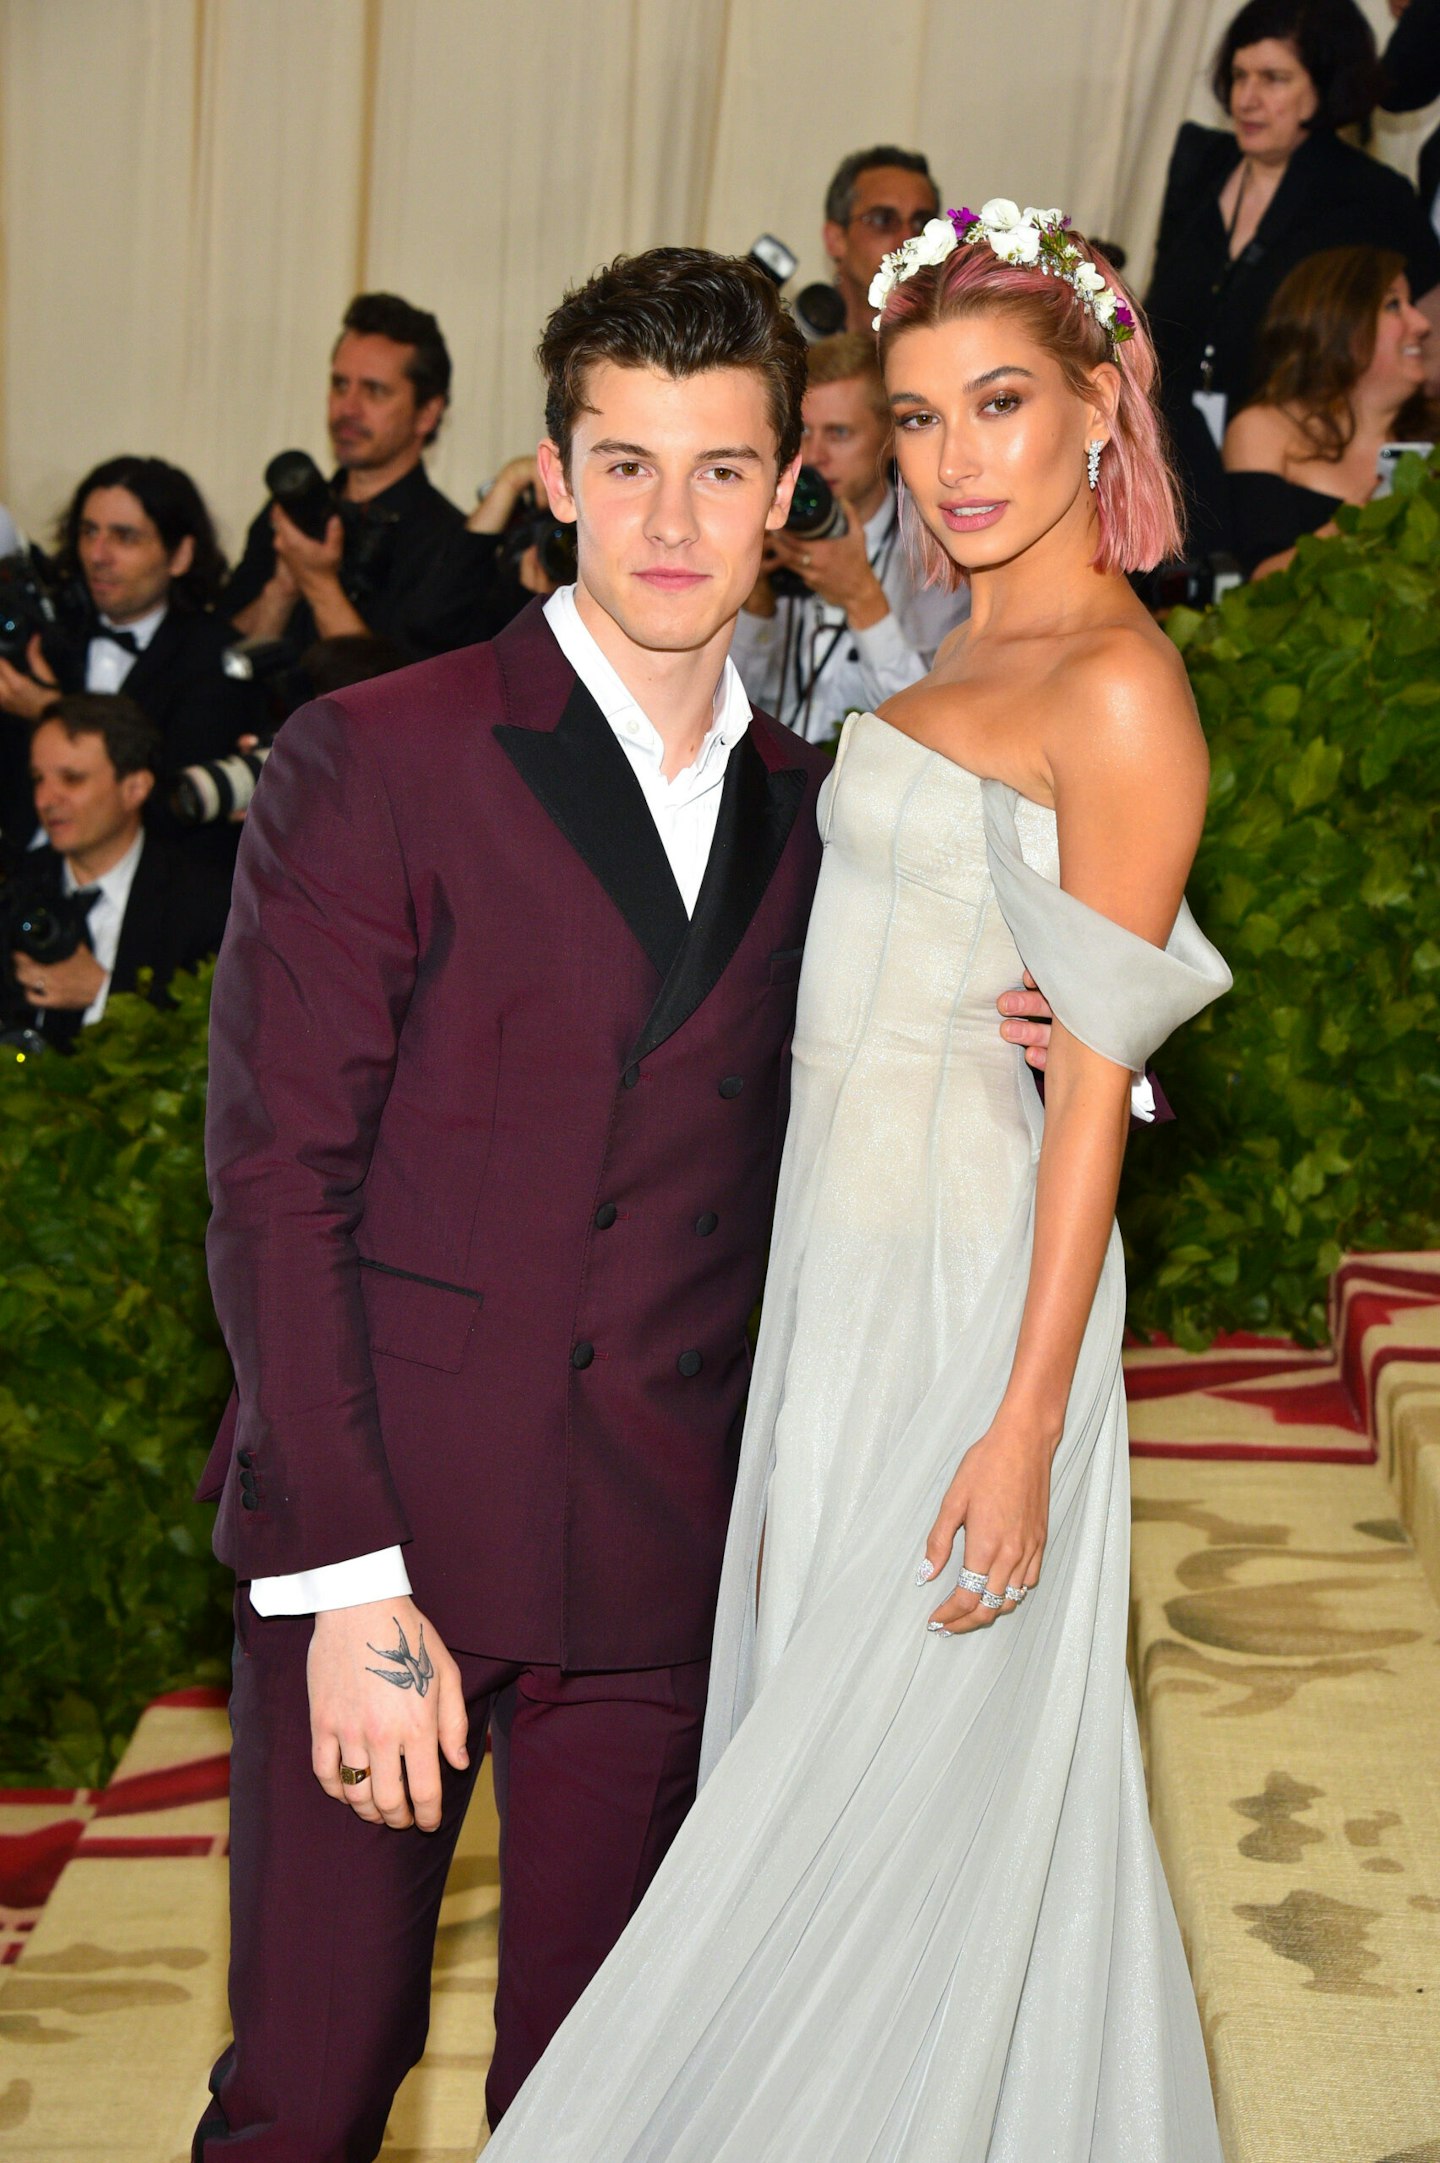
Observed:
{"x":1295,"y":288}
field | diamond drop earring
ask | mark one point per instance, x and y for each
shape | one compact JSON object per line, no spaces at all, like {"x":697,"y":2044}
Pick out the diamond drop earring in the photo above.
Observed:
{"x":1092,"y":463}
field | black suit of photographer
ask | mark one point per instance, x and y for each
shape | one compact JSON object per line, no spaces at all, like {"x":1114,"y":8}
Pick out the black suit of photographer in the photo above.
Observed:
{"x":423,"y":596}
{"x":174,"y":917}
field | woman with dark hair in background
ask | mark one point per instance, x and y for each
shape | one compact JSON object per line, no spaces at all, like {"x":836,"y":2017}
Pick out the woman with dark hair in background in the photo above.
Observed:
{"x":1341,"y":367}
{"x":1245,"y":204}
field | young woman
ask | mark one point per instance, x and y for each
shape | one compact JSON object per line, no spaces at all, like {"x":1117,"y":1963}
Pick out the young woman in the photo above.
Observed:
{"x":1342,"y":371}
{"x":917,"y":1913}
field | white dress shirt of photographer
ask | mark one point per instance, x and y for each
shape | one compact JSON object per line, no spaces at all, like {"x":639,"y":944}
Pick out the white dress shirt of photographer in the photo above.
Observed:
{"x":865,"y":627}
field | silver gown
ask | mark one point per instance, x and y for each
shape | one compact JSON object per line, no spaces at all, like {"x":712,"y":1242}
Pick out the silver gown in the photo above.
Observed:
{"x":917,"y":1914}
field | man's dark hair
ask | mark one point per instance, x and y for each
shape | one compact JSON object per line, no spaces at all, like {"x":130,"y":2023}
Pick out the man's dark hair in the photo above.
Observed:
{"x":173,"y":505}
{"x":681,"y":311}
{"x":840,"y":195}
{"x":134,"y":744}
{"x":1336,"y":47}
{"x":385,"y":315}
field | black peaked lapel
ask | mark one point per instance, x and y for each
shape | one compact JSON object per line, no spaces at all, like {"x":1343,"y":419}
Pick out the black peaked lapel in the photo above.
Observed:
{"x":757,"y":810}
{"x":581,"y":776}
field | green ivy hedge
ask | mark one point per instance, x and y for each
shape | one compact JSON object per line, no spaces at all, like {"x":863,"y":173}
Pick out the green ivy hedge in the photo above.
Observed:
{"x":112,"y":1378}
{"x":1309,"y":1097}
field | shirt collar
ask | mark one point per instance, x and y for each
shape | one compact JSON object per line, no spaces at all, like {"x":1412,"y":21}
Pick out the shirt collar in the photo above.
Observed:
{"x":730,"y":708}
{"x":143,"y":629}
{"x":115,"y":883}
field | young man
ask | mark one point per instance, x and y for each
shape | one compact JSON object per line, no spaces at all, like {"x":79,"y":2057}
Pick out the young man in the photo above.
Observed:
{"x":498,"y":1091}
{"x":866,"y":627}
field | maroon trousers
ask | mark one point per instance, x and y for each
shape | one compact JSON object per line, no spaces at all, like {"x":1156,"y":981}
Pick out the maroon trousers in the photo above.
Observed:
{"x":333,"y":1919}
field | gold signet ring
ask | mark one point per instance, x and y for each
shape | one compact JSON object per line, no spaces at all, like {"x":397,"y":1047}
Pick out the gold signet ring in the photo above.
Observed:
{"x":352,"y":1775}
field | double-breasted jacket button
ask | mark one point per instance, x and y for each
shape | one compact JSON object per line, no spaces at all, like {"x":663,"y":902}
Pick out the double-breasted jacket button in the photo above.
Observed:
{"x":245,"y":1458}
{"x":582,"y":1354}
{"x":705,"y":1225}
{"x":732,"y":1085}
{"x":630,"y":1076}
{"x":689,"y":1363}
{"x":605,"y":1216}
{"x":249,"y":1500}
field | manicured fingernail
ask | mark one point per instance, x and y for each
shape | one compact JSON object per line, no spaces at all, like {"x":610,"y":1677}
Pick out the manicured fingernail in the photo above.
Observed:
{"x":936,"y":1628}
{"x":925,"y":1572}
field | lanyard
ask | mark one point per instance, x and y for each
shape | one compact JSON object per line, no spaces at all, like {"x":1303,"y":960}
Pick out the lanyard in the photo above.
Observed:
{"x":805,"y":685}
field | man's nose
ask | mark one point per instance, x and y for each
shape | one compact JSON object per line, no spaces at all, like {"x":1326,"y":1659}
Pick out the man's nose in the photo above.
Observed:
{"x":672,"y":519}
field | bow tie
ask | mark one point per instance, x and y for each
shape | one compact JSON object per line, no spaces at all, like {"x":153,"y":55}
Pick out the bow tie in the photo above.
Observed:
{"x":124,"y":639}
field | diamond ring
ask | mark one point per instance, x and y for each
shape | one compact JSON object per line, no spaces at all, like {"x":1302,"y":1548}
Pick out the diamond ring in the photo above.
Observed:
{"x":1016,"y":1593}
{"x":972,"y":1581}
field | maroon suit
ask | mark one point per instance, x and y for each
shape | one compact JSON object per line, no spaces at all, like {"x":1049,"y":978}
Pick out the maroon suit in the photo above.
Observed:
{"x":494,"y":1132}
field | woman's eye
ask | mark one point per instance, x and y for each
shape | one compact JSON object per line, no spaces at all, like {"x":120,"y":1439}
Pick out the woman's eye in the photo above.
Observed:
{"x":1003,"y":402}
{"x":912,"y":422}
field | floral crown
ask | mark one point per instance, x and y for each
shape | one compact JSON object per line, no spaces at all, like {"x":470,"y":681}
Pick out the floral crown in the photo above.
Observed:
{"x":1027,"y":237}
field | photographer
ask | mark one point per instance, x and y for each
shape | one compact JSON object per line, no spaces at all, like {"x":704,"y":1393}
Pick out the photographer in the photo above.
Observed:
{"x":138,"y":902}
{"x":393,"y":560}
{"x":876,"y":199}
{"x":861,"y":626}
{"x":139,"y":566}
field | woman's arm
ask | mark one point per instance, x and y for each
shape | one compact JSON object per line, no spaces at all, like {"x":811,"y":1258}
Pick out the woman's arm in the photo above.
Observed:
{"x":1130,"y":773}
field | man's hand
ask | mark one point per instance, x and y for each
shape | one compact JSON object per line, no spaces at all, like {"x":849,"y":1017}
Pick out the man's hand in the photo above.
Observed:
{"x":60,"y":984}
{"x":384,"y":1693}
{"x":28,"y":696}
{"x":1028,"y":1019}
{"x":838,"y":571}
{"x":315,"y":568}
{"x":493,"y":512}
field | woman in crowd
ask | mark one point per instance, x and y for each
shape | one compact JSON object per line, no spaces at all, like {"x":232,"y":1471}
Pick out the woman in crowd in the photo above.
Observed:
{"x":1341,"y":364}
{"x":917,"y":1915}
{"x":1245,"y":204}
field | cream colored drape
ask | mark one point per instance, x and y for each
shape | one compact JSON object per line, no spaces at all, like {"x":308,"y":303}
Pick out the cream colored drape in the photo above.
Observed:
{"x":191,"y":190}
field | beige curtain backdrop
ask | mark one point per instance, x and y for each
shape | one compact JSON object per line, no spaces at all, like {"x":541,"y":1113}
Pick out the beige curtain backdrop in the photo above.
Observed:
{"x":191,"y":190}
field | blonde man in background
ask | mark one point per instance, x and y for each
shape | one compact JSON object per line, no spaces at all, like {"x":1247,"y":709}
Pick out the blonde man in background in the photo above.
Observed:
{"x":862,"y":626}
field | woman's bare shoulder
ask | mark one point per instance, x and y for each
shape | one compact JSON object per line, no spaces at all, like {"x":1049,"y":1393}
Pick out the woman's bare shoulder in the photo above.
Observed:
{"x":1124,"y":704}
{"x":1263,"y":439}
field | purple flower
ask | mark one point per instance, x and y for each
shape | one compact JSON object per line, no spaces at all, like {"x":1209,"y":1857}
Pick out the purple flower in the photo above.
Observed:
{"x":1123,"y":316}
{"x":962,"y":220}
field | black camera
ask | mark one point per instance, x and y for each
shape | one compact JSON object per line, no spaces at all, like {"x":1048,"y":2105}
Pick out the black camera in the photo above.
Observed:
{"x":816,"y":514}
{"x":305,"y":496}
{"x":33,"y":600}
{"x":36,"y":921}
{"x":819,"y":310}
{"x":217,"y":788}
{"x":552,"y":541}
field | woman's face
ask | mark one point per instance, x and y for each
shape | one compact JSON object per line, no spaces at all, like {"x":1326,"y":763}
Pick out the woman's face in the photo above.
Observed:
{"x":990,"y":439}
{"x":1397,"y":366}
{"x":1272,"y":97}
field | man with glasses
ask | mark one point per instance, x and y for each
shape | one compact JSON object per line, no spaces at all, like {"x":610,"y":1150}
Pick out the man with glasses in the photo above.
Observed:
{"x":877,"y":198}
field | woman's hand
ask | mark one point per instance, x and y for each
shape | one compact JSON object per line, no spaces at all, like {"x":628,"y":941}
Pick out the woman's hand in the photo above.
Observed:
{"x":1001,"y":1496}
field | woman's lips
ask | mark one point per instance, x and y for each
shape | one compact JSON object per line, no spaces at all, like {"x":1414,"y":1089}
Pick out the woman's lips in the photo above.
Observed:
{"x":969,"y":517}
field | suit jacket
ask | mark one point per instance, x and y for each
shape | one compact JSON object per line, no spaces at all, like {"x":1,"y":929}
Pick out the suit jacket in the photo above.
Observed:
{"x":174,"y":917}
{"x":1411,"y":69}
{"x":493,"y":1139}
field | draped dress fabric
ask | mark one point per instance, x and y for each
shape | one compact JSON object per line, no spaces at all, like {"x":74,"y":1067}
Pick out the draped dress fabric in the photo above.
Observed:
{"x":917,"y":1914}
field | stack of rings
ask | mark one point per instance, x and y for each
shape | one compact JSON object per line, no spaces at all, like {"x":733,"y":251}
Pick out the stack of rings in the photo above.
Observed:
{"x":976,"y":1581}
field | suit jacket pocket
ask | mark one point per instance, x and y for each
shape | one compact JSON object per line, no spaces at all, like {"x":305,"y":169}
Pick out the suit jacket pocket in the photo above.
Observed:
{"x":785,"y":964}
{"x":408,"y":1316}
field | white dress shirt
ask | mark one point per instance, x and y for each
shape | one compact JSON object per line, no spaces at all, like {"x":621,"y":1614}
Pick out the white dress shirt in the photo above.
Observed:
{"x":830,"y":669}
{"x":106,"y":664}
{"x":106,"y":916}
{"x":685,"y":810}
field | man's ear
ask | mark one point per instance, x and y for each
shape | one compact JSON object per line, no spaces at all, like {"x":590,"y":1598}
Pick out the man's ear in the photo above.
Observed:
{"x":834,"y":238}
{"x":779,"y":509}
{"x":135,"y":789}
{"x":183,"y":557}
{"x":428,"y":418}
{"x":557,"y":482}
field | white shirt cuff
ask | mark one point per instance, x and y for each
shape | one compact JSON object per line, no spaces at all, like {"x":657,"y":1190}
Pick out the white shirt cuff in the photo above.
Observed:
{"x":1142,"y":1100}
{"x":888,"y":661}
{"x":378,"y":1576}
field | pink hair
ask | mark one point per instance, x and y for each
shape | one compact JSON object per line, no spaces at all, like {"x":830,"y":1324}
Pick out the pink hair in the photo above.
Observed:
{"x":1137,"y":501}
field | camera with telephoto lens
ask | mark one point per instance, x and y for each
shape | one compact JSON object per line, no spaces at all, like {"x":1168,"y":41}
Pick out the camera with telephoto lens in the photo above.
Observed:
{"x":552,"y":541}
{"x":816,"y":514}
{"x":217,"y":788}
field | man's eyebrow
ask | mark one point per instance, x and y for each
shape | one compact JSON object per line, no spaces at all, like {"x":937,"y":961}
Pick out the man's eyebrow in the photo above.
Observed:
{"x":991,"y":375}
{"x":611,"y":447}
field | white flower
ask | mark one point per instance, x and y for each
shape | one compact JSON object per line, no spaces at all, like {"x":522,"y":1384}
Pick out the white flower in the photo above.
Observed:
{"x":1088,"y":279}
{"x":1019,"y":244}
{"x":934,"y":243}
{"x":1045,"y":218}
{"x":1103,"y":309}
{"x":999,"y":214}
